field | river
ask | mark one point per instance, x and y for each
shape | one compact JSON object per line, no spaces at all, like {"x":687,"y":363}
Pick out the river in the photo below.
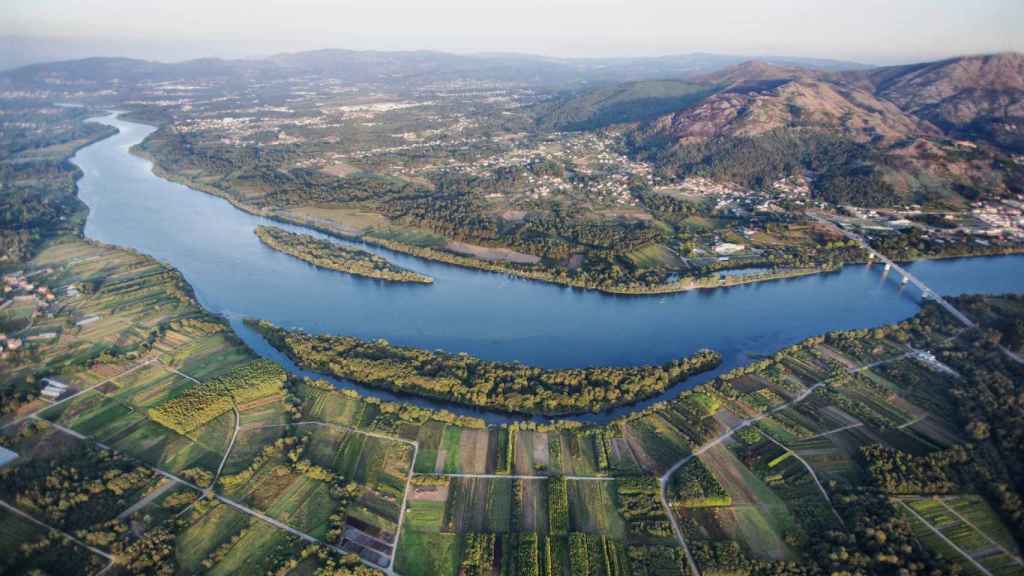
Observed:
{"x":481,"y":313}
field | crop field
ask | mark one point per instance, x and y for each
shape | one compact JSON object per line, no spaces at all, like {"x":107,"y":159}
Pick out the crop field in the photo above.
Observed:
{"x":592,"y":508}
{"x":358,"y":457}
{"x":428,"y":554}
{"x":762,"y":518}
{"x":326,"y":405}
{"x":210,"y":524}
{"x":378,"y":466}
{"x":255,"y":551}
{"x":972,"y":526}
{"x":475,"y":452}
{"x":267,"y":412}
{"x":832,"y":456}
{"x":478,"y":505}
{"x":154,"y":444}
{"x":449,"y":451}
{"x":426,"y":508}
{"x":531,"y":505}
{"x":578,"y":454}
{"x":620,"y":457}
{"x":530,"y":452}
{"x":656,"y":444}
{"x":429,"y":441}
{"x":131,"y":295}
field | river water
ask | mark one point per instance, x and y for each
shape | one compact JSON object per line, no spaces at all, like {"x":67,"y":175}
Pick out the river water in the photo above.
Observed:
{"x":481,"y":313}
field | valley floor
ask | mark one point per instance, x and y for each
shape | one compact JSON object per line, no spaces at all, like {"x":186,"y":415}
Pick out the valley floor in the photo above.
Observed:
{"x":267,"y":473}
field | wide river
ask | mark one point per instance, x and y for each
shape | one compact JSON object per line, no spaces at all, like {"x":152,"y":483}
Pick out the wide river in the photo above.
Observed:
{"x":484,"y":314}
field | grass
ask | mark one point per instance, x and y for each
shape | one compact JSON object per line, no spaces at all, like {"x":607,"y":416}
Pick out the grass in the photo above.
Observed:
{"x":424,"y":516}
{"x":206,"y":531}
{"x":592,"y":508}
{"x":654,"y":256}
{"x":429,"y":440}
{"x":256,"y":551}
{"x":451,"y":443}
{"x":427,"y":554}
{"x":479,"y":504}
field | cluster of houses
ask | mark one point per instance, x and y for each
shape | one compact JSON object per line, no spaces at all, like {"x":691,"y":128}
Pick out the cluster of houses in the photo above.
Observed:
{"x":1004,"y":216}
{"x":18,"y":287}
{"x":1001,"y":218}
{"x":8,"y":345}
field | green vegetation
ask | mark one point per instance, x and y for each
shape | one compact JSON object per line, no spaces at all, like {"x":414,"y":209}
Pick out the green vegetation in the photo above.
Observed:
{"x":38,"y":202}
{"x":558,"y":505}
{"x":204,"y":402}
{"x":694,"y":486}
{"x":468,"y":380}
{"x":331,"y":256}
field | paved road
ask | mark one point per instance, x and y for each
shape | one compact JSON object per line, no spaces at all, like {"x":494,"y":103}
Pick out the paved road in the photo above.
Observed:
{"x":907,"y":275}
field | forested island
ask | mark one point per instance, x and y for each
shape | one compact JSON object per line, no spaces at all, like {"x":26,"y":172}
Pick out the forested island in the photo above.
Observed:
{"x":467,"y":380}
{"x":324,"y":254}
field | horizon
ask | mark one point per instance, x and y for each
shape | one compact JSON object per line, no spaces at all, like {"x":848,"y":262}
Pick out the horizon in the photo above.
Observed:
{"x":874,"y":33}
{"x":749,"y":57}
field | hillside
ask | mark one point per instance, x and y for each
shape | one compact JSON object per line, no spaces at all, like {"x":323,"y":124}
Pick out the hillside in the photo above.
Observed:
{"x":970,"y":96}
{"x":623,"y":103}
{"x":885,"y":136}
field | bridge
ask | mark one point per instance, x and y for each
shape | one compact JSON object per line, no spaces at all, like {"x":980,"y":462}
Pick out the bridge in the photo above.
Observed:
{"x":890,"y":265}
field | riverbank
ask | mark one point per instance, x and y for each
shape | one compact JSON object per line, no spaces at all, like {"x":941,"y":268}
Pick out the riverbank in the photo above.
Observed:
{"x":329,"y":256}
{"x":453,"y":259}
{"x":463,"y":379}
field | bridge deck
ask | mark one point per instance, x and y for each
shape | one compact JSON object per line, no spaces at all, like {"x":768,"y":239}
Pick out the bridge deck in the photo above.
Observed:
{"x":928,"y":292}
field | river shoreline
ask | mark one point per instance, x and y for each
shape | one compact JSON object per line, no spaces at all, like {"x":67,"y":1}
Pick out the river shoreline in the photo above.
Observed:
{"x":688,"y":284}
{"x":210,"y":242}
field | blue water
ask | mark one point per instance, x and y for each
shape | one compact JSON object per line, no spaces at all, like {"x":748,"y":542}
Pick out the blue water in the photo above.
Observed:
{"x":484,"y":314}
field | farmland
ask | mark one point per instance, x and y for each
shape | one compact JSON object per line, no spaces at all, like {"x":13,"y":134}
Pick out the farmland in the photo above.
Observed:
{"x":226,"y":464}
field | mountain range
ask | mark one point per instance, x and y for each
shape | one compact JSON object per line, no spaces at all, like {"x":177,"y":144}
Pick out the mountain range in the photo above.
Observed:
{"x":940,"y":132}
{"x":405,"y":67}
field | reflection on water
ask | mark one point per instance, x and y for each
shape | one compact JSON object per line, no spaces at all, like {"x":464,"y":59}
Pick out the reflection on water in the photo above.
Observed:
{"x":485,"y":314}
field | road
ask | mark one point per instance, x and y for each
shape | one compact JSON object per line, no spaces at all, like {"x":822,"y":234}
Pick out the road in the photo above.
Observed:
{"x":928,"y":292}
{"x":92,"y":549}
{"x":814,"y":476}
{"x":75,"y":395}
{"x":521,"y":476}
{"x":663,"y":480}
{"x":948,"y":508}
{"x":148,"y":498}
{"x":390,"y":569}
{"x":951,"y":544}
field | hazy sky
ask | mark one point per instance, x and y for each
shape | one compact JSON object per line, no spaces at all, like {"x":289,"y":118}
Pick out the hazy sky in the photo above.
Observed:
{"x":872,"y":31}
